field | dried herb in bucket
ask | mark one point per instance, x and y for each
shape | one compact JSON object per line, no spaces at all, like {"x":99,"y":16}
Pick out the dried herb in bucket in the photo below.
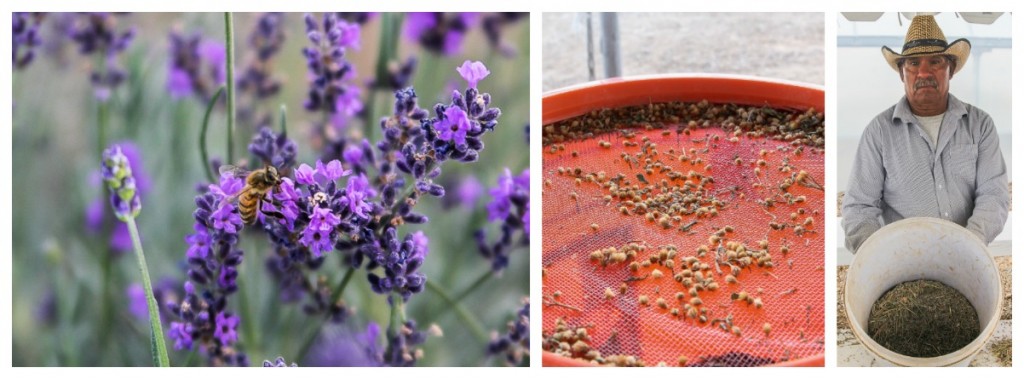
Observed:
{"x":923,"y":318}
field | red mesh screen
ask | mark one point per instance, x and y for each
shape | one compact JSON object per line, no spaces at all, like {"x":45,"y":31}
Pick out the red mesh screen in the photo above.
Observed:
{"x":579,"y":219}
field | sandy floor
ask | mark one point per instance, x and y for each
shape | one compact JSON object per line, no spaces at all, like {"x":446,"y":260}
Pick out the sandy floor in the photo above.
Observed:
{"x":780,"y":45}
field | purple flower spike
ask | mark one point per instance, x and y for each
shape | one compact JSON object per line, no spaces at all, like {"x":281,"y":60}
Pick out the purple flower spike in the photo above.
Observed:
{"x":216,"y":54}
{"x":181,"y":333}
{"x":227,"y":220}
{"x":304,"y":174}
{"x":356,"y":193}
{"x":454,"y":126}
{"x":499,"y":207}
{"x":226,"y":325}
{"x":348,"y":35}
{"x":526,"y":219}
{"x":198,"y":243}
{"x":473,"y":72}
{"x":318,"y":241}
{"x":332,"y":171}
{"x":137,"y":301}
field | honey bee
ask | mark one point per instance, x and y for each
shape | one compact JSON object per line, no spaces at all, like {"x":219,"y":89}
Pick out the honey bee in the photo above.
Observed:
{"x":257,"y":184}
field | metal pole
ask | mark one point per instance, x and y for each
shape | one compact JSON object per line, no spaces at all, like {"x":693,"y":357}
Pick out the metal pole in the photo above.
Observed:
{"x":590,"y":47}
{"x":610,"y":44}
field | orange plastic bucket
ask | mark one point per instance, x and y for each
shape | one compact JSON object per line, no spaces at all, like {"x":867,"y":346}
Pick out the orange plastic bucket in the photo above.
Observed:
{"x":797,"y":337}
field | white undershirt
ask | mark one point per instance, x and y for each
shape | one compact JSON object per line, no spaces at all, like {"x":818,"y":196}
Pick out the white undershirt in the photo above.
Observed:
{"x":931,"y":124}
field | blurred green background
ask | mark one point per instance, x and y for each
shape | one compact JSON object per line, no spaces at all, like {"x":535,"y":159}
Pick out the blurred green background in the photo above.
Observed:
{"x":59,"y":303}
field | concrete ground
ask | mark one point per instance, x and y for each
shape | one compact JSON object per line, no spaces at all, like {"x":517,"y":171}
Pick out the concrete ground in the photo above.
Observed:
{"x":775,"y":45}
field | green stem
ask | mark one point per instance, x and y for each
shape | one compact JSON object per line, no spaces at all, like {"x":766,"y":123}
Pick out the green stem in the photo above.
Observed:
{"x":159,"y":348}
{"x":102,"y":113}
{"x":103,"y":118}
{"x":283,"y":120}
{"x":473,"y":287}
{"x":388,"y":52}
{"x":248,"y":320}
{"x":338,"y":291}
{"x":397,"y":315}
{"x":229,"y":43}
{"x":474,"y":325}
{"x":202,"y":136}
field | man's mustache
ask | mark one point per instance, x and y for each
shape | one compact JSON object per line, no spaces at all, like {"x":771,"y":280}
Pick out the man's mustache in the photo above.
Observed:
{"x":926,"y":83}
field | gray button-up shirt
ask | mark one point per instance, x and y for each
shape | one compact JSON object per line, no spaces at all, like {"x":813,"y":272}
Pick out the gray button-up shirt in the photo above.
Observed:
{"x":898,"y":173}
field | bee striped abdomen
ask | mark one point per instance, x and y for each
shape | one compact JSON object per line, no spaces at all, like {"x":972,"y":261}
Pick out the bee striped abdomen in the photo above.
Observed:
{"x":248,"y":203}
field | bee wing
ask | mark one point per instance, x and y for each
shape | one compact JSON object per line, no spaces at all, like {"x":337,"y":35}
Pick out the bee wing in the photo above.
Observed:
{"x":238,"y":172}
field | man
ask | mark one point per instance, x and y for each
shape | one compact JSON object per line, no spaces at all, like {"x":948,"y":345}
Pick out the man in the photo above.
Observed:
{"x":930,"y":154}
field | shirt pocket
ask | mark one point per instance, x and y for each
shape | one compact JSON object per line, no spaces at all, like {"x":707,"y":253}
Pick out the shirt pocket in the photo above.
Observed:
{"x":961,"y":163}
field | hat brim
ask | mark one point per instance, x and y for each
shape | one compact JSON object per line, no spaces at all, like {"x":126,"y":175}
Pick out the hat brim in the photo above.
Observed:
{"x":960,"y":49}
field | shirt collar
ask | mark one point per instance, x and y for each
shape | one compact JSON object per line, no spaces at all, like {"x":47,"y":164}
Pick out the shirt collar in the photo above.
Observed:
{"x":902,"y":113}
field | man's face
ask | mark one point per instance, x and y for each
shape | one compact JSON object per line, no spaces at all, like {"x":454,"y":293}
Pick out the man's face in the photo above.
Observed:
{"x":926,"y":81}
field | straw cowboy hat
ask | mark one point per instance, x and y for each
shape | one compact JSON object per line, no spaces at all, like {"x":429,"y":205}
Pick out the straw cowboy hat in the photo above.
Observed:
{"x":925,"y":38}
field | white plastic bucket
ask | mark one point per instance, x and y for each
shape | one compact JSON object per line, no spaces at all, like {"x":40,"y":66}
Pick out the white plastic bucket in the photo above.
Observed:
{"x":923,"y":248}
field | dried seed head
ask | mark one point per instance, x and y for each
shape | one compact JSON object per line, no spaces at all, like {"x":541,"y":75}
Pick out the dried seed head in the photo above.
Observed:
{"x":696,"y":301}
{"x":730,"y":279}
{"x":661,"y":303}
{"x":618,"y":257}
{"x":682,"y":360}
{"x":623,"y":288}
{"x":757,"y":303}
{"x":608,"y":293}
{"x":643,"y":300}
{"x":593,"y":227}
{"x":596,"y":255}
{"x":580,"y":347}
{"x":634,"y":267}
{"x":679,"y":296}
{"x":557,"y":294}
{"x":736,"y":330}
{"x":767,"y":329}
{"x":656,"y":274}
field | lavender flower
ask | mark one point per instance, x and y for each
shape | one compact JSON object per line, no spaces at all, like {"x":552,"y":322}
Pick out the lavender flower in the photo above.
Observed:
{"x":164,"y":292}
{"x":516,"y":343}
{"x":330,"y":74}
{"x":213,"y":258}
{"x":257,"y":81}
{"x":401,"y":350}
{"x":118,"y":175}
{"x":494,"y":24}
{"x":439,"y":32}
{"x":225,"y":329}
{"x":473,"y":72}
{"x":197,"y":66}
{"x":467,"y":191}
{"x":398,"y":76}
{"x":453,"y":126}
{"x":511,"y":205}
{"x":279,"y":362}
{"x":343,"y":347}
{"x":400,"y":261}
{"x":24,"y":37}
{"x":97,"y":33}
{"x":120,"y":240}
